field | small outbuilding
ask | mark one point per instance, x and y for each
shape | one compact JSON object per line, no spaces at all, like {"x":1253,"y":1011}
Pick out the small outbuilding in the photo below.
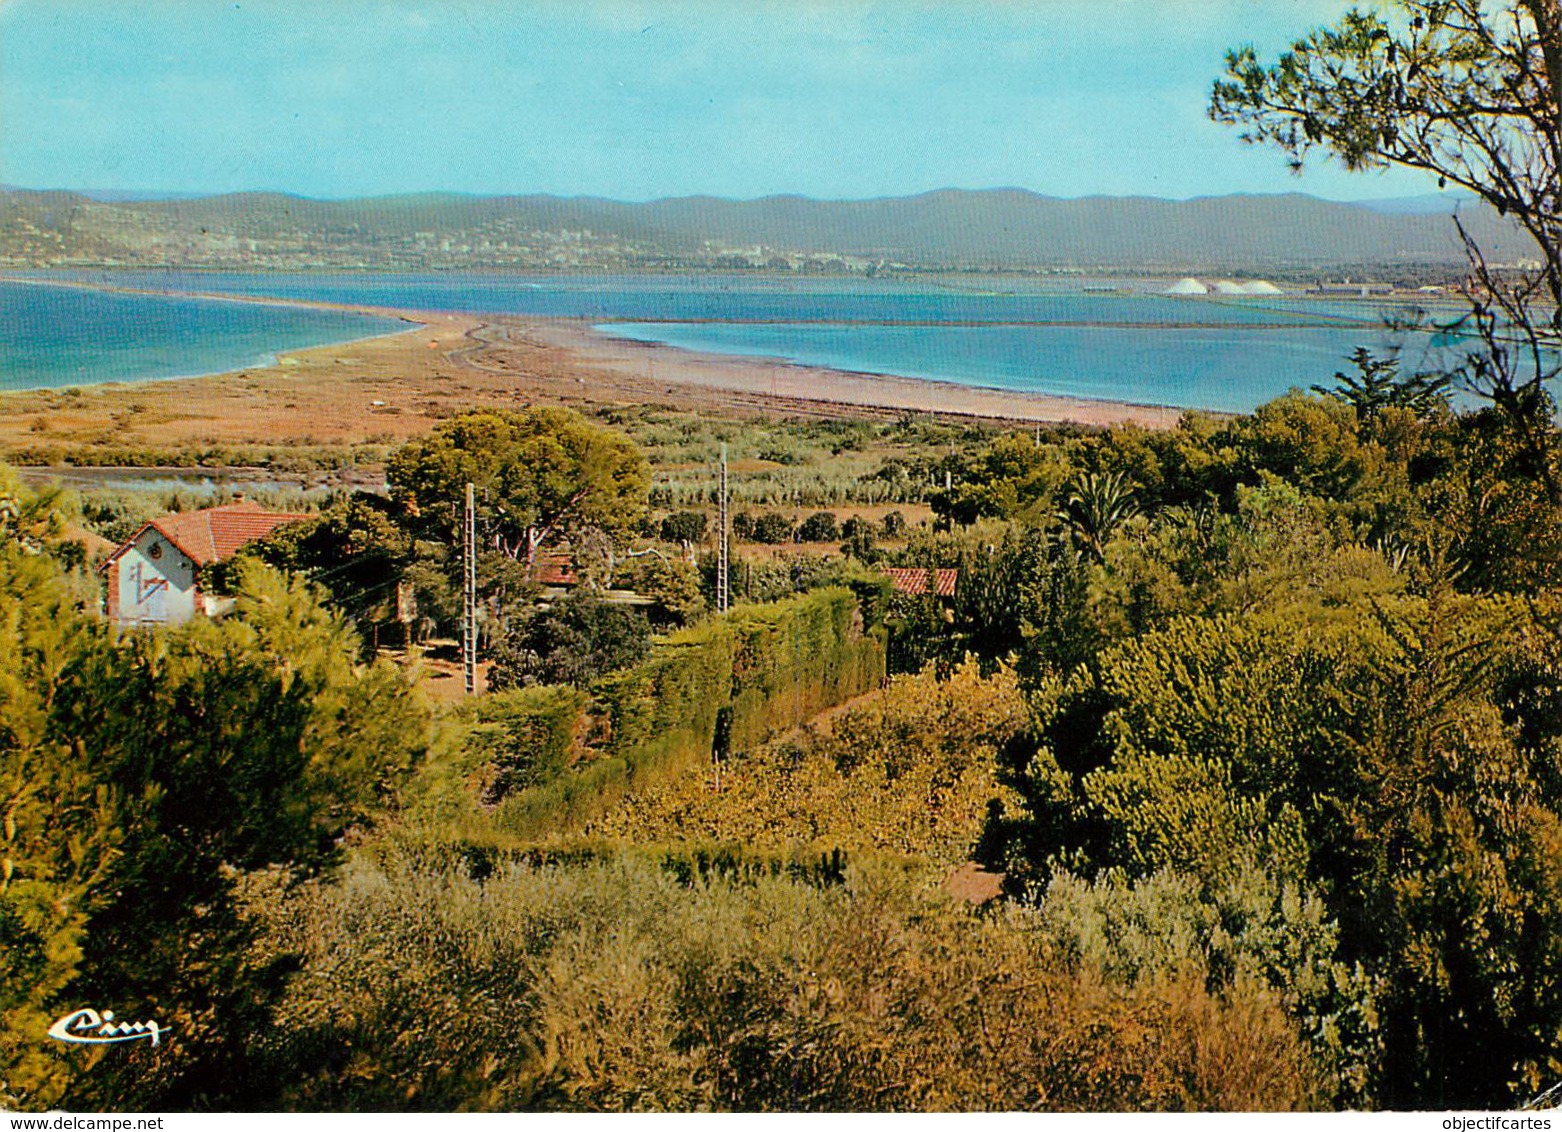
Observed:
{"x":917,"y":580}
{"x":154,"y":576}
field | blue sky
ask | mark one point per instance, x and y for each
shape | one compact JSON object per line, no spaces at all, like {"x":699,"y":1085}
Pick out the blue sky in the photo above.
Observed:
{"x":636,"y":100}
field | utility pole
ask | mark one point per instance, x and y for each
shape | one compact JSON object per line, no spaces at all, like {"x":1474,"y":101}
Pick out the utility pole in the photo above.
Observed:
{"x":723,"y":601}
{"x":469,"y":577}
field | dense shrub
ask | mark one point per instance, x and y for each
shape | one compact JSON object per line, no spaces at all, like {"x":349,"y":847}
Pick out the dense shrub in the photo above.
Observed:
{"x":727,"y":684}
{"x":672,"y":584}
{"x":139,"y":775}
{"x":684,"y":526}
{"x":818,"y":527}
{"x":1379,"y":758}
{"x":774,"y":528}
{"x":616,"y":986}
{"x":910,"y":770}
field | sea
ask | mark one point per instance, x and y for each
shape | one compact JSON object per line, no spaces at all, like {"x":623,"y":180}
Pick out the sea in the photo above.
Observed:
{"x":1061,"y":336}
{"x":53,"y":336}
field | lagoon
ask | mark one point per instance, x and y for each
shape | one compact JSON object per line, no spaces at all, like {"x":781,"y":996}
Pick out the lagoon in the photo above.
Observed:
{"x":1041,"y":336}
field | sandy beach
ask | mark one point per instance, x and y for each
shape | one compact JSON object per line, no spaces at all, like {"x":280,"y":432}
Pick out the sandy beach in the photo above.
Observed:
{"x":381,"y":390}
{"x":815,"y":390}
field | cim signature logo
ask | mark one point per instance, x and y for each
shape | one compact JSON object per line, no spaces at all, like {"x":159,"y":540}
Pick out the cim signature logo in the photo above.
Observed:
{"x":88,"y":1027}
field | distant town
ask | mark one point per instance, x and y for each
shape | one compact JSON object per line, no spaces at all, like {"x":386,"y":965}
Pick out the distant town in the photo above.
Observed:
{"x":1300,"y":241}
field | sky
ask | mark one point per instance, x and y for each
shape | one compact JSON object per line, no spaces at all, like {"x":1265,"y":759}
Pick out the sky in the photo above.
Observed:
{"x":640,"y":99}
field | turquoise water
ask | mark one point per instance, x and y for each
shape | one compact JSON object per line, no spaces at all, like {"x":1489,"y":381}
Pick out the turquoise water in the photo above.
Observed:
{"x":55,"y":336}
{"x":1036,"y":336}
{"x":1219,"y":368}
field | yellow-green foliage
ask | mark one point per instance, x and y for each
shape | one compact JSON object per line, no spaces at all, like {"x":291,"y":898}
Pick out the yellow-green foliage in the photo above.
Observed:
{"x":795,"y":658}
{"x":58,"y":829}
{"x":1246,"y":927}
{"x":1399,"y":763}
{"x":614,"y":986}
{"x":1193,"y":783}
{"x":496,"y":745}
{"x":731,"y":682}
{"x":139,"y":773}
{"x":909,"y":771}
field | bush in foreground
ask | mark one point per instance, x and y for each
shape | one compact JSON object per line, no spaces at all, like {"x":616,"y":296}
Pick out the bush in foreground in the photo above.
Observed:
{"x":613,"y":986}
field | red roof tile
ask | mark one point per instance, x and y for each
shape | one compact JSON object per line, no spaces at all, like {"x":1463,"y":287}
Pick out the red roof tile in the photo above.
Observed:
{"x":914,"y":580}
{"x":554,"y":570}
{"x":214,"y":533}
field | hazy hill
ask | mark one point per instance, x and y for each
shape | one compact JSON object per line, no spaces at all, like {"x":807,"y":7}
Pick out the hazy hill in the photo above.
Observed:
{"x":999,"y":228}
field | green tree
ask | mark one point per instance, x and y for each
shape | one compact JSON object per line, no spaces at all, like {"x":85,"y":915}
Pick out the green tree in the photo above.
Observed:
{"x":1097,"y":505}
{"x":684,"y":527}
{"x":858,"y":533}
{"x":1310,"y":442}
{"x":774,"y":528}
{"x":357,"y":550}
{"x":672,"y":583}
{"x":1451,"y":877}
{"x":28,"y":518}
{"x":1469,"y":91}
{"x":1399,"y":761}
{"x":1377,"y":385}
{"x":60,"y":826}
{"x":1466,"y":90}
{"x":223,"y":747}
{"x":541,"y":475}
{"x":436,"y":597}
{"x":1184,"y":465}
{"x":576,"y":640}
{"x":1489,"y":505}
{"x":1011,"y":478}
{"x":818,"y":527}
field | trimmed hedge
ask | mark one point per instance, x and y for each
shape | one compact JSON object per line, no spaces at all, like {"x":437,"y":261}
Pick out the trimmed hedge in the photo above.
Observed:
{"x":728,"y":684}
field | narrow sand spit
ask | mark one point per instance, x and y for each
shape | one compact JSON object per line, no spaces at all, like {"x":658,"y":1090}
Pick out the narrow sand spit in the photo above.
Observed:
{"x":670,"y":368}
{"x":388,"y":388}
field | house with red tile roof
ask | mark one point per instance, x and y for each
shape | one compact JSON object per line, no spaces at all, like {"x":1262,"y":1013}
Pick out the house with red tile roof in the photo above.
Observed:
{"x":154,"y":576}
{"x":916,"y":580}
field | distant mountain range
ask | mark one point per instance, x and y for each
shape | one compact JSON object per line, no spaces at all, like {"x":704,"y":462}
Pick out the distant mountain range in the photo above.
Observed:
{"x":997,"y":229}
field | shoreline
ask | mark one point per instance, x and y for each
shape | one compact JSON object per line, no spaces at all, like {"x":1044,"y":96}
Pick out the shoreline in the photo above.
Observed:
{"x":271,"y":359}
{"x":216,"y":297}
{"x":543,"y":356}
{"x":785,"y":380}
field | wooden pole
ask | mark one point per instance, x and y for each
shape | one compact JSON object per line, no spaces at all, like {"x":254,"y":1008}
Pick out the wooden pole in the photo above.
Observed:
{"x":723,"y":599}
{"x":469,"y":612}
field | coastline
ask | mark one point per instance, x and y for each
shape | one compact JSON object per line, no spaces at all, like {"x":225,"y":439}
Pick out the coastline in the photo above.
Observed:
{"x":269,"y":360}
{"x":210,"y":296}
{"x":790,"y":382}
{"x":385,"y":388}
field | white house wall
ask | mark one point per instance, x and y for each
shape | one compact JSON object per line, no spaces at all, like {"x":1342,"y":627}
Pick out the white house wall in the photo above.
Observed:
{"x":156,"y":582}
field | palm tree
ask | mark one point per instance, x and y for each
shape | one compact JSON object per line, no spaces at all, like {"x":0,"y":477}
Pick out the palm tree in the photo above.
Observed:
{"x":1099,"y":503}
